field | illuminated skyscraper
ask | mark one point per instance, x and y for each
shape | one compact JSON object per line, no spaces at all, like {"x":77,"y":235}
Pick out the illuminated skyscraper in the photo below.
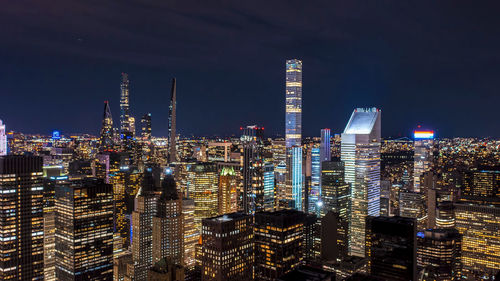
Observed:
{"x":203,"y":189}
{"x":360,"y":151}
{"x":293,"y":116}
{"x":293,"y":131}
{"x":191,"y":233}
{"x":335,"y":193}
{"x":269,"y":187}
{"x":168,"y":239}
{"x":478,"y":223}
{"x":125,"y":108}
{"x":253,"y":169}
{"x":279,"y":243}
{"x":439,"y":254}
{"x":84,"y":230}
{"x":424,"y":141}
{"x":484,"y":182}
{"x":146,"y":127}
{"x":227,"y":249}
{"x":172,"y":115}
{"x":228,"y":184}
{"x":3,"y":139}
{"x":21,"y":218}
{"x":325,"y":152}
{"x":315,"y":192}
{"x":142,"y":228}
{"x":106,"y":136}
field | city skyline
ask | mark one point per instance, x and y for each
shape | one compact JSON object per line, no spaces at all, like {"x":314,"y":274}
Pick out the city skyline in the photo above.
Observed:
{"x":421,"y":77}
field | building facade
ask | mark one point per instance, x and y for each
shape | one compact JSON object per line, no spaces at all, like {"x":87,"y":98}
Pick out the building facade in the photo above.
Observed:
{"x":360,"y":151}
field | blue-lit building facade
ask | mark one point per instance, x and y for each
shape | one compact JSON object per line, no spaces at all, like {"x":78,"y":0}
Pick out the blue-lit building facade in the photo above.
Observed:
{"x":297,"y":177}
{"x":325,"y":150}
{"x":315,"y":192}
{"x":269,"y":186}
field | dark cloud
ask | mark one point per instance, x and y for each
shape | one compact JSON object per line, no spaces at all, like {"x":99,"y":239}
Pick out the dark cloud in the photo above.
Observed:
{"x":431,"y":62}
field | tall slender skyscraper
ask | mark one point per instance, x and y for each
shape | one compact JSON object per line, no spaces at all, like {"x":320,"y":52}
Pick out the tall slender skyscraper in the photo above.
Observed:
{"x":325,"y":152}
{"x":293,"y":131}
{"x":21,"y":218}
{"x":293,"y":117}
{"x":124,"y":107}
{"x":424,"y":141}
{"x":3,"y":139}
{"x":360,"y":151}
{"x":106,"y":136}
{"x":171,"y":122}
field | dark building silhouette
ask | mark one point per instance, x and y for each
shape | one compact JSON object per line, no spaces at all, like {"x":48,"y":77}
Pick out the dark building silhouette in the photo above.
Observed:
{"x":391,"y":248}
{"x":333,"y":237}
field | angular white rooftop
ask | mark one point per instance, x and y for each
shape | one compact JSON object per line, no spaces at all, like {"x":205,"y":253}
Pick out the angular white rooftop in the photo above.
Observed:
{"x":362,"y":121}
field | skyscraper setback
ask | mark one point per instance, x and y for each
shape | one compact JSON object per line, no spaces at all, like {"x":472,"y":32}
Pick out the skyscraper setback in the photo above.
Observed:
{"x":360,"y":151}
{"x":172,"y":111}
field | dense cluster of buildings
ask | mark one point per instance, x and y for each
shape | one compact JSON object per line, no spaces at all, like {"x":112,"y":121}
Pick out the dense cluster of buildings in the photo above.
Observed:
{"x":351,"y":206}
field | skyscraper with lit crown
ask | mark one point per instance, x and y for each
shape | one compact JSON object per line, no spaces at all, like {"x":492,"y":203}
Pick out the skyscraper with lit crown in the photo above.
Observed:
{"x":424,"y":140}
{"x":360,"y":151}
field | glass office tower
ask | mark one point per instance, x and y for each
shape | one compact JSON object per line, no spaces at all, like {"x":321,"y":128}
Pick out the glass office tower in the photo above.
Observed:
{"x":360,"y":151}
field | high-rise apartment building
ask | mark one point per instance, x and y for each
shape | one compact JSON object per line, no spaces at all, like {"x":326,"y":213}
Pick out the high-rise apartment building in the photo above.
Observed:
{"x":84,"y":230}
{"x":293,"y":116}
{"x":439,"y":254}
{"x":482,"y":182}
{"x":3,"y":139}
{"x":360,"y":151}
{"x":21,"y":218}
{"x":279,"y":243}
{"x":293,"y":132}
{"x":168,"y":226}
{"x":424,"y":141}
{"x":391,"y":248}
{"x":227,"y":248}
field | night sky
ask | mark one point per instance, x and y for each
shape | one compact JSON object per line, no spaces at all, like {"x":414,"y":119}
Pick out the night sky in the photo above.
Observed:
{"x":435,"y":63}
